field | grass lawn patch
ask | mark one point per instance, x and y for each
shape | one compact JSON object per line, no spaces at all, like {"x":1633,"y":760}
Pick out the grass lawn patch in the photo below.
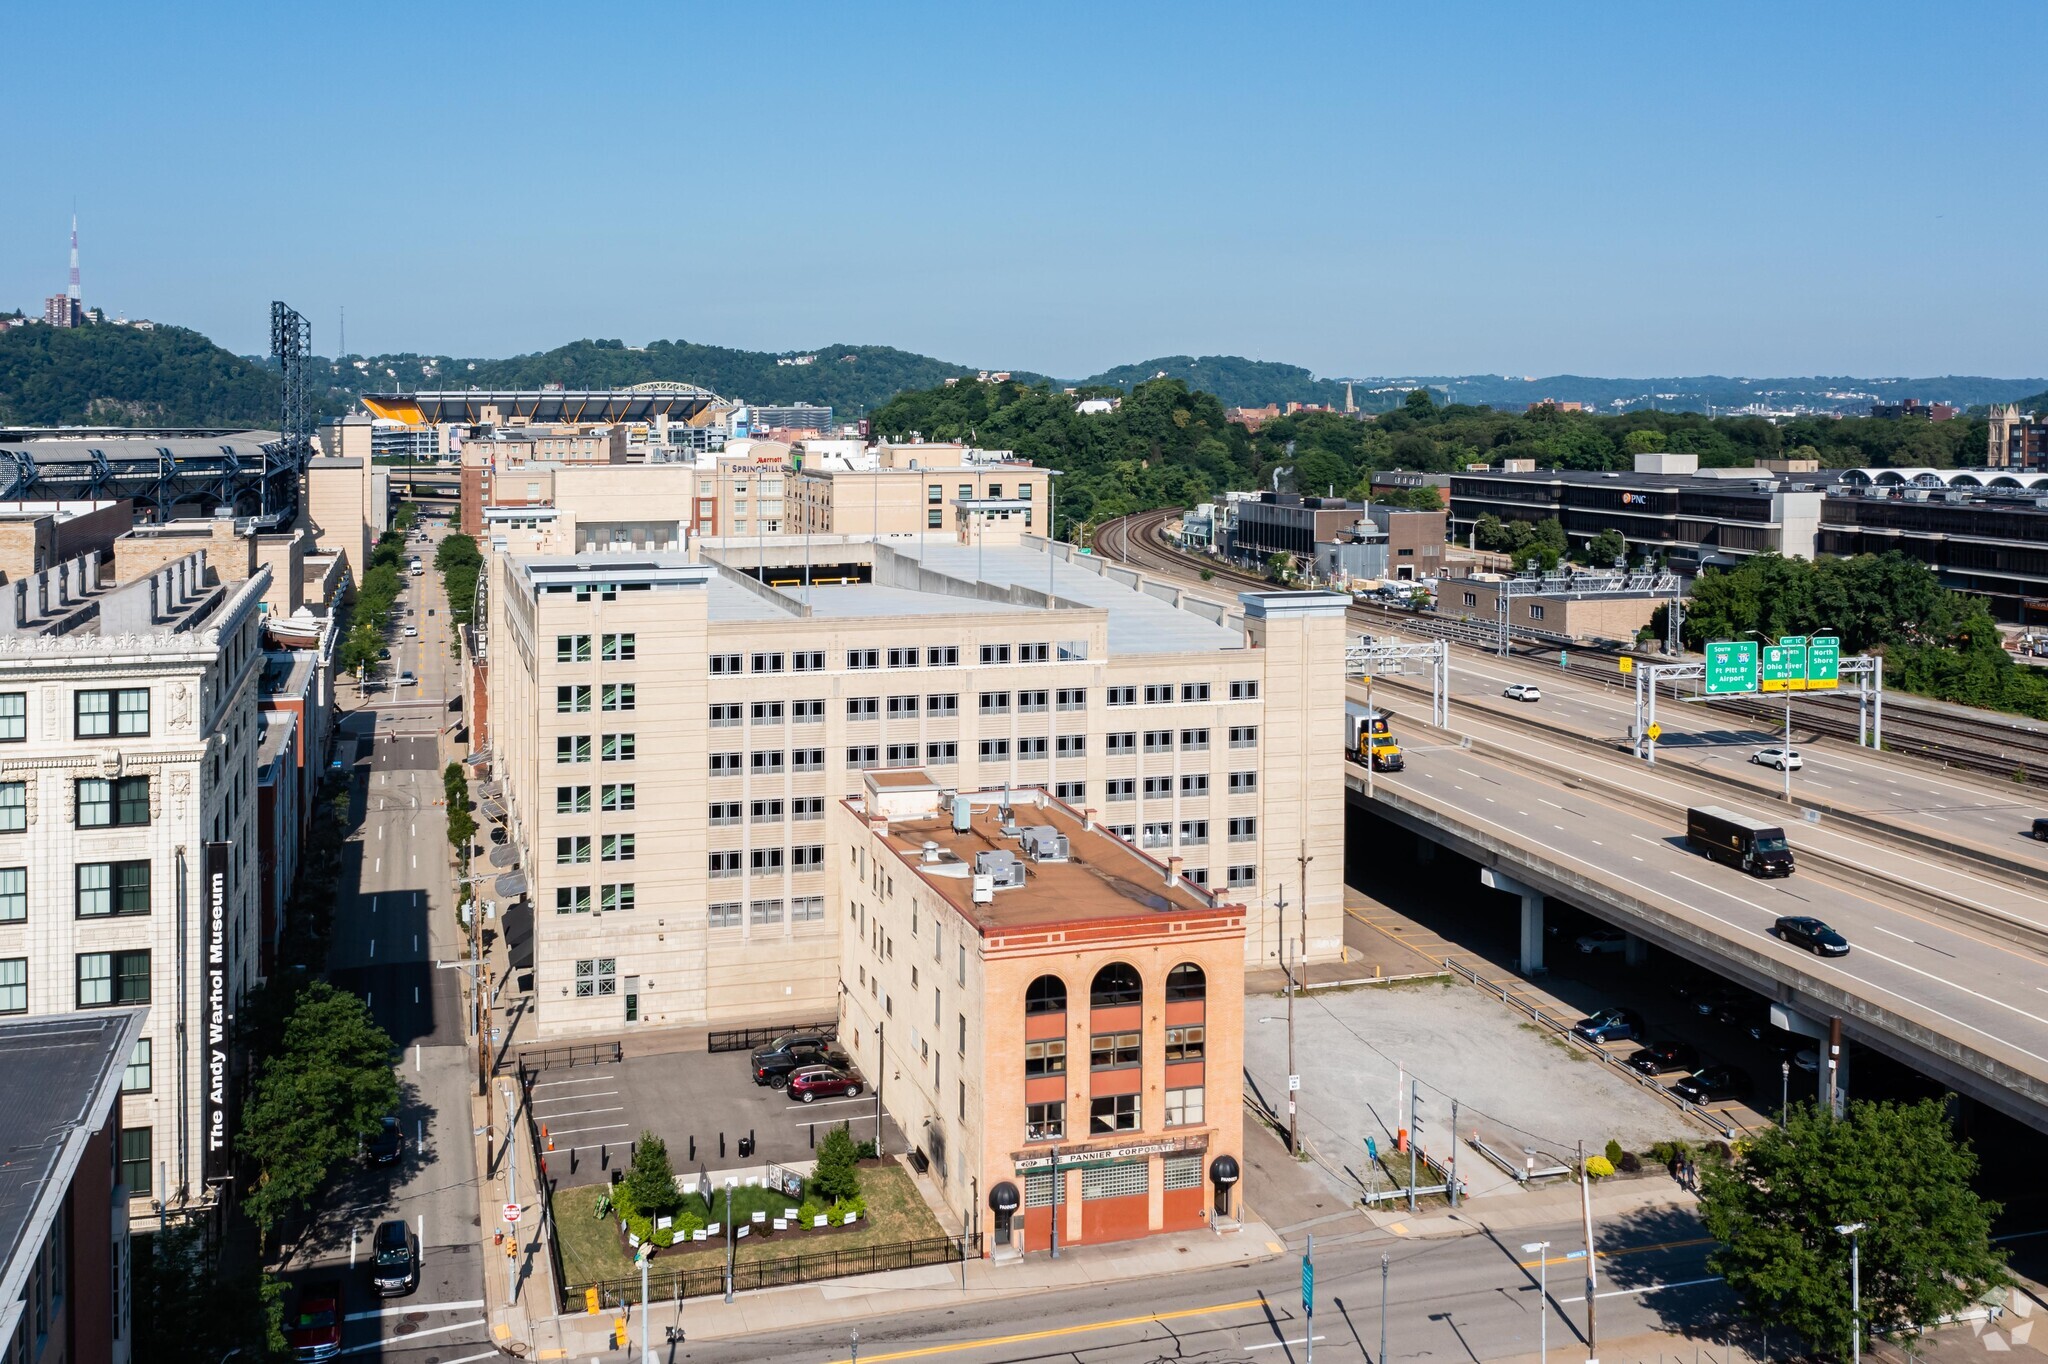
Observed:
{"x":592,"y":1249}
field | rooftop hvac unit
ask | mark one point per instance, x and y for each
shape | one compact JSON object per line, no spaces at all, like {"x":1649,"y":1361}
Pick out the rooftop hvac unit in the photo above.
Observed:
{"x":1916,"y":494}
{"x":1044,"y":843}
{"x":984,"y":889}
{"x":1956,"y":495}
{"x":1002,"y":869}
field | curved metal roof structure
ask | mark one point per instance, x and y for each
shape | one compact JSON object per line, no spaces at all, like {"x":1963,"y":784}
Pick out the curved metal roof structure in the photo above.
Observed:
{"x":159,"y":469}
{"x":2011,"y":480}
{"x":642,"y":403}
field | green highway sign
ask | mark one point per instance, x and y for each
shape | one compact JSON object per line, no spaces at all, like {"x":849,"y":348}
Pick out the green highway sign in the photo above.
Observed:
{"x":1792,"y":641}
{"x":1731,"y":668}
{"x":1823,"y":663}
{"x":1784,"y":667}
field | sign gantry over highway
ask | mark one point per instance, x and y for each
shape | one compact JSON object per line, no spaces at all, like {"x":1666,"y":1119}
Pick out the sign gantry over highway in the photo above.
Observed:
{"x":1823,"y":663}
{"x":1784,"y":667}
{"x":1731,"y":668}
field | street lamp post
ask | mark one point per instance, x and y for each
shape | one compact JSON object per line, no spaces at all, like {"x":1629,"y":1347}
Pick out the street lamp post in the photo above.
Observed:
{"x":729,"y":1182}
{"x":1855,"y":1291}
{"x":1541,"y":1250}
{"x":1784,"y":1092}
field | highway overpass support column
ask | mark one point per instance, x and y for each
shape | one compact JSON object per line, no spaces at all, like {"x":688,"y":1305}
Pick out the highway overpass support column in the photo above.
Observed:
{"x":1531,"y":960}
{"x":1637,"y":950}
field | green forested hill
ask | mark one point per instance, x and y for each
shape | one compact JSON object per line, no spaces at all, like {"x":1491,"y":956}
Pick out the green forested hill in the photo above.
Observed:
{"x":1236,"y":381}
{"x":126,"y":376}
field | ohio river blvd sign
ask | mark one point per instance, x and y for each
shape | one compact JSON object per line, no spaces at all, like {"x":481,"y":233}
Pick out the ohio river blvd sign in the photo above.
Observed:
{"x":218,"y":1166}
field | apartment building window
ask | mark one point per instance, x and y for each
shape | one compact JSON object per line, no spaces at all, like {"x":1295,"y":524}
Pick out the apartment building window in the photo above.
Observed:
{"x":863,"y":756}
{"x":807,"y":909}
{"x":767,"y":760}
{"x":725,"y":812}
{"x":1194,"y":741}
{"x":1158,"y":786}
{"x":767,"y":913}
{"x":807,"y":712}
{"x":863,"y":707}
{"x":121,"y":803}
{"x":573,"y":700}
{"x":572,"y":850}
{"x":725,"y":715}
{"x":1071,"y":790}
{"x":621,"y":748}
{"x":807,"y":661}
{"x":902,"y":755}
{"x":1158,"y":693}
{"x":1194,"y":691}
{"x":1031,"y":747}
{"x":1072,"y":745}
{"x":1244,"y":690}
{"x":934,"y":519}
{"x":761,"y":812}
{"x":1244,"y":736}
{"x":13,"y":895}
{"x":1194,"y":833}
{"x":620,"y":648}
{"x":1159,"y":741}
{"x":862,"y":659}
{"x":1034,"y":653}
{"x":112,"y":889}
{"x":1195,"y":784}
{"x":572,"y":800}
{"x":619,"y":696}
{"x":945,"y":753}
{"x":138,"y":1075}
{"x":1045,"y":1122}
{"x":618,"y":895}
{"x":14,"y":985}
{"x":1122,"y":696}
{"x":725,"y":764}
{"x":1157,"y":836}
{"x":1126,"y":742}
{"x":1198,"y":876}
{"x":806,"y":808}
{"x":765,"y":663}
{"x":1069,"y":650}
{"x":1031,"y":702}
{"x":903,"y":657}
{"x":572,"y":748}
{"x":110,"y":978}
{"x":723,"y":864}
{"x":995,"y":653}
{"x":1127,"y":832}
{"x":1471,"y":599}
{"x":995,"y":703}
{"x":902,"y":705}
{"x":1072,"y":698}
{"x":123,"y":712}
{"x":1184,"y":1108}
{"x":934,"y":493}
{"x":943,"y":705}
{"x":723,"y":915}
{"x":1243,"y":876}
{"x":765,"y":859}
{"x":1244,"y":829}
{"x":572,"y":899}
{"x":724,"y":665}
{"x":13,"y":717}
{"x":1185,"y":1044}
{"x":942,"y":656}
{"x":1116,"y":1113}
{"x":995,"y":748}
{"x":766,"y":712}
{"x":572,"y":648}
{"x":597,"y":976}
{"x":617,"y":796}
{"x":1120,"y":788}
{"x":618,"y":847}
{"x":808,"y":858}
{"x":1040,"y":1058}
{"x":807,"y":759}
{"x":1244,"y":781}
{"x":137,"y":1163}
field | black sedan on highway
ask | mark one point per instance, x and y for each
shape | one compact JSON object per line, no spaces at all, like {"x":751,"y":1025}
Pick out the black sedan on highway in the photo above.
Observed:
{"x":1712,"y":1085}
{"x":1803,"y":930}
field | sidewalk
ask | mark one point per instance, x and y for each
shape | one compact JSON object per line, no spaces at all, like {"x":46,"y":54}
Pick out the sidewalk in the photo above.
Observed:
{"x":1555,"y":1202}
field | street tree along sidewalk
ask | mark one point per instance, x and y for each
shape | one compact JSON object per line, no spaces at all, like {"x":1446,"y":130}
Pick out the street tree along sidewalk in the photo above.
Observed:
{"x":1900,"y":1171}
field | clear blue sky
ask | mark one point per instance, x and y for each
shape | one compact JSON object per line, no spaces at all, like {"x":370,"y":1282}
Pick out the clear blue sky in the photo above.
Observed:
{"x":1632,"y":189}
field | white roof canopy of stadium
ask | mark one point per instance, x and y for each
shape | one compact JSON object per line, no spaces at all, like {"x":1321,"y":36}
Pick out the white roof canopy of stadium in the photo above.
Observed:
{"x":1945,"y":478}
{"x":677,"y":402}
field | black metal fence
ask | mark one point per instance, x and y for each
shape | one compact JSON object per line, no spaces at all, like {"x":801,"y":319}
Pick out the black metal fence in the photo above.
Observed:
{"x":700,"y":1281}
{"x":746,"y":1039}
{"x":589,"y":1054}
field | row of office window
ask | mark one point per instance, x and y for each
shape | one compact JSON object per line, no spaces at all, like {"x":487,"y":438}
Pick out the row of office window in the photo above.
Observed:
{"x":727,"y":863}
{"x":801,"y":809}
{"x":765,"y":760}
{"x":100,"y":890}
{"x":611,"y":696}
{"x":103,"y":980}
{"x":100,"y":713}
{"x":727,"y":715}
{"x":804,"y":909}
{"x":618,"y":895}
{"x":577,"y":849}
{"x":611,"y":648}
{"x":612,"y":797}
{"x":1166,"y":693}
{"x":611,"y":748}
{"x":1108,"y":1115}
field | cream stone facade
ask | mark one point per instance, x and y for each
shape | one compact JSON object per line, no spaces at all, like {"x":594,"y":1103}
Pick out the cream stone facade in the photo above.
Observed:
{"x":915,"y":500}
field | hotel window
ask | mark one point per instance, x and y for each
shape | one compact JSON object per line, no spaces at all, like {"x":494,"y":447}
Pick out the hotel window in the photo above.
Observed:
{"x":902,"y":705}
{"x":1123,"y":696}
{"x":1194,"y":741}
{"x":995,"y":748}
{"x":1184,"y":1107}
{"x":572,"y":899}
{"x":137,"y":1164}
{"x":807,"y":712}
{"x":1072,"y":698}
{"x":1159,"y":741}
{"x":1243,"y":876}
{"x":1113,"y":1051}
{"x":902,"y":755}
{"x":1040,"y":1058}
{"x":1031,"y":702}
{"x":620,"y":748}
{"x":767,"y":913}
{"x":863,"y":707}
{"x":942,"y":705}
{"x":726,"y":915}
{"x":572,"y":800}
{"x":807,"y":661}
{"x":722,"y":864}
{"x":576,"y":700}
{"x":13,"y":717}
{"x":1244,"y":829}
{"x":761,"y":812}
{"x":935,"y":519}
{"x":1247,"y":690}
{"x":903,"y":657}
{"x":1126,"y":742}
{"x":570,"y":851}
{"x":861,"y":659}
{"x":767,"y":760}
{"x":809,"y":858}
{"x":864,"y":756}
{"x":1034,"y":653}
{"x":807,"y":909}
{"x":572,"y":648}
{"x":945,"y":656}
{"x":806,"y":808}
{"x":1244,"y":736}
{"x":618,"y":895}
{"x":1157,"y":836}
{"x":723,"y":665}
{"x":1194,"y":833}
{"x":765,"y":663}
{"x":995,"y":653}
{"x":107,"y":978}
{"x":616,"y":796}
{"x":765,"y":859}
{"x":619,"y":648}
{"x":617,"y":847}
{"x":100,"y":714}
{"x":1244,"y":781}
{"x":1184,"y":1044}
{"x":618,"y":696}
{"x":137,"y":1077}
{"x":13,"y":895}
{"x":111,"y":889}
{"x":934,"y":493}
{"x":1071,"y":790}
{"x":1031,"y":747}
{"x":1159,"y":694}
{"x":1194,"y":691}
{"x":725,"y":764}
{"x":1116,"y":1113}
{"x":1120,"y":788}
{"x":995,"y":703}
{"x":1045,"y":1122}
{"x":14,"y":985}
{"x":572,"y":748}
{"x":121,"y":803}
{"x":947,"y":752}
{"x":1196,"y":784}
{"x":807,"y":759}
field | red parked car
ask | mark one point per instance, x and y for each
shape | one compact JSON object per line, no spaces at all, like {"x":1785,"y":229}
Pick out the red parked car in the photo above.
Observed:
{"x":314,"y":1330}
{"x":816,"y":1082}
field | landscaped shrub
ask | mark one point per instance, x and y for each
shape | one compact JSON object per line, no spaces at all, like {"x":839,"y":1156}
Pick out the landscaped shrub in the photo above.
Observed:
{"x":856,"y":1205}
{"x":1630,"y":1163}
{"x":651,"y":1184}
{"x":813,"y":1208}
{"x":1599,"y":1167}
{"x":1613,"y":1152}
{"x":837,"y":1175}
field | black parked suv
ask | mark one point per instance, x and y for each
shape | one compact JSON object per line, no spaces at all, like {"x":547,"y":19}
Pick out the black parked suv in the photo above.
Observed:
{"x":1712,"y":1085}
{"x":395,"y":1260}
{"x":1658,"y":1057}
{"x":786,"y":1048}
{"x":776,"y":1070}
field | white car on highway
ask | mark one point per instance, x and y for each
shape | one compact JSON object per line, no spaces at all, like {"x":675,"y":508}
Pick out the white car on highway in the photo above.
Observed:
{"x":412,"y":629}
{"x":1783,"y":759}
{"x":1522,"y":691}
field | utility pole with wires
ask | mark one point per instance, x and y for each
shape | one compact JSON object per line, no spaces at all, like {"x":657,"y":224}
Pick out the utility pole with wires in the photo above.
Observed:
{"x":1293,"y":1077}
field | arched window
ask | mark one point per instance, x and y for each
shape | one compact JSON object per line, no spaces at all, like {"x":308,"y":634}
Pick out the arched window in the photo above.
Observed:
{"x":1116,"y":983}
{"x":1185,"y":982}
{"x":1047,"y":995}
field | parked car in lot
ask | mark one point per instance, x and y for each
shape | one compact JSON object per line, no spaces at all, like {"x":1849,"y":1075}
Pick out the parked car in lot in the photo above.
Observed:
{"x":1783,"y":759}
{"x":1658,"y":1057}
{"x":786,"y":1046}
{"x":1603,"y":940}
{"x":810,"y":1083}
{"x":313,"y":1331}
{"x":395,"y":1259}
{"x":1716,"y":1001}
{"x":1803,"y":930}
{"x":1522,"y":691}
{"x":1610,"y":1025}
{"x":388,"y":1146}
{"x":775,"y":1071}
{"x":1714,"y":1084}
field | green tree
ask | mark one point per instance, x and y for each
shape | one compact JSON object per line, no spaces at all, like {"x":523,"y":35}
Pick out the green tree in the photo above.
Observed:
{"x":837,"y":1174}
{"x":192,"y":1307}
{"x":651,"y":1182}
{"x":327,"y":1086}
{"x":1901,"y":1171}
{"x":1604,"y":548}
{"x":1419,"y":403}
{"x":1279,"y":567}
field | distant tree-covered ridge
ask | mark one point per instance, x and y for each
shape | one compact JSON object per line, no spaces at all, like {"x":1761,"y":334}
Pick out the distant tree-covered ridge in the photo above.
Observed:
{"x":108,"y":375}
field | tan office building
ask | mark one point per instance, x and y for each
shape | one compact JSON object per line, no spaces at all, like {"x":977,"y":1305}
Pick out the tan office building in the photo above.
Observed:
{"x":916,"y":500}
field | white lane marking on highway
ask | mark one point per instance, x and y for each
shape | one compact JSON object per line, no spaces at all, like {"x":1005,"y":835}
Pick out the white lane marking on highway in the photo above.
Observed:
{"x":415,"y":1335}
{"x":471,"y":1305}
{"x":373,"y":904}
{"x":1551,"y":803}
{"x":1276,"y":1344}
{"x":1931,"y":815}
{"x":1900,"y":936}
{"x":1596,"y":842}
{"x":415,"y":861}
{"x":380,"y":832}
{"x":373,"y":947}
{"x":415,"y":829}
{"x":379,"y":866}
{"x":1558,"y":827}
{"x":1646,"y":1288}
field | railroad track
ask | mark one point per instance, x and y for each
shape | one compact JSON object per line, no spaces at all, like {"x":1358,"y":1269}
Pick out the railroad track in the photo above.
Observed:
{"x":1989,"y":746}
